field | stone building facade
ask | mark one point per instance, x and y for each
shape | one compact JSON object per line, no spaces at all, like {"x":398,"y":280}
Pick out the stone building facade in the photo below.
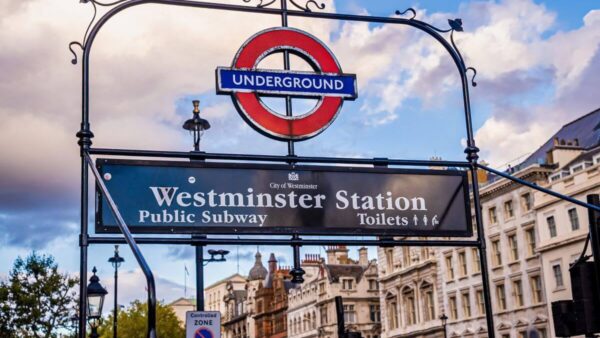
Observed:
{"x":531,"y":239}
{"x":214,"y":293}
{"x":312,"y":310}
{"x":271,"y":302}
{"x":411,"y":293}
{"x":511,"y":231}
{"x":564,"y":226}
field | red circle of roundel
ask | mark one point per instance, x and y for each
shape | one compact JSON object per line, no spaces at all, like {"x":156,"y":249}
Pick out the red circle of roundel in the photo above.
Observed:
{"x":257,"y":113}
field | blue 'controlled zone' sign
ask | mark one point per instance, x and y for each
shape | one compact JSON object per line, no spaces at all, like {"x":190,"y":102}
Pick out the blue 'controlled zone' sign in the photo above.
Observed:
{"x":276,"y":82}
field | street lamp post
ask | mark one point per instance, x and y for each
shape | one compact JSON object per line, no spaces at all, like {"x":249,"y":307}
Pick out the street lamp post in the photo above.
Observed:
{"x":196,"y":125}
{"x":201,"y":263}
{"x":95,"y":295}
{"x":74,"y":323}
{"x":444,"y":320}
{"x":116,"y":262}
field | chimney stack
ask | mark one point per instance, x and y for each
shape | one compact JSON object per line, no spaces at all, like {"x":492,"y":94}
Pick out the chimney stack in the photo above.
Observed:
{"x":363,"y":256}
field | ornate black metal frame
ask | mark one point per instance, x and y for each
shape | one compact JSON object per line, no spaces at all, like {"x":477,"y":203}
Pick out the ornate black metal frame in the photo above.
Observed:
{"x":308,"y":10}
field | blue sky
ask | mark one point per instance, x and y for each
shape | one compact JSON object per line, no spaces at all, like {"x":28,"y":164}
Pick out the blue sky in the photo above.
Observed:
{"x":537,"y":64}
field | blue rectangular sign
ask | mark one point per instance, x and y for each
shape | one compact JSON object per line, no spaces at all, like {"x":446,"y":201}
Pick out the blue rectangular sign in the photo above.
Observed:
{"x":286,"y":83}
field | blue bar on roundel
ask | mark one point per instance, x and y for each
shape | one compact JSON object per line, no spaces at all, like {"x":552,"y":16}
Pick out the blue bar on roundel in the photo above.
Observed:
{"x":292,"y":83}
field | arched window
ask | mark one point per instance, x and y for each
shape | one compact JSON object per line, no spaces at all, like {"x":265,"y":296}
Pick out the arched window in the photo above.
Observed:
{"x":409,"y":304}
{"x":428,"y":302}
{"x":314,"y":321}
{"x":392,"y":311}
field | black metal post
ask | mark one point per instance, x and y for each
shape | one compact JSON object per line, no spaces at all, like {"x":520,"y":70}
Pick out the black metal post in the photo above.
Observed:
{"x":485,"y":280}
{"x":297,"y":272}
{"x":339,"y":311}
{"x":595,"y":234}
{"x":94,"y":333}
{"x":116,"y":312}
{"x":116,"y":262}
{"x":128,"y":237}
{"x":199,"y":274}
{"x":286,"y":66}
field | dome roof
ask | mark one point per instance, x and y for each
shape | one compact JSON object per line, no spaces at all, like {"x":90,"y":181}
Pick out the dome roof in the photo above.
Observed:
{"x":258,"y":271}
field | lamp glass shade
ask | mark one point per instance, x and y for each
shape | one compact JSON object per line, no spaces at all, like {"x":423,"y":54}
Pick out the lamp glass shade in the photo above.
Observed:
{"x":95,"y":302}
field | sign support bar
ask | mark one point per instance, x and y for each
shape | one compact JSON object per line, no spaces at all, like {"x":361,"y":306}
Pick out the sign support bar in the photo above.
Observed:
{"x":134,"y":248}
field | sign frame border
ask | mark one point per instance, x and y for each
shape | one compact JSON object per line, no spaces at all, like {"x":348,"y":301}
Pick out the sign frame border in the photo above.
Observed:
{"x":100,"y":227}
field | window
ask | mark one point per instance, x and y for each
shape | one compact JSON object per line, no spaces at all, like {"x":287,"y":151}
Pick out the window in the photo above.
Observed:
{"x":574,"y":219}
{"x":501,"y":297}
{"x":322,"y":288}
{"x":476,"y":261}
{"x":492,"y":215}
{"x":514,"y":247}
{"x":428,"y":304}
{"x":392,"y":315}
{"x":497,"y":254}
{"x":406,"y":256}
{"x":530,"y":236}
{"x":324,"y":318}
{"x":453,"y":310}
{"x":462,"y":260}
{"x":449,"y":268}
{"x":523,"y":334}
{"x":389,"y":257}
{"x":373,"y":284}
{"x":558,"y":278}
{"x":480,"y":302}
{"x":375,"y":313}
{"x":527,"y":201}
{"x":508,"y":209}
{"x":536,"y":289}
{"x":409,"y":307}
{"x":518,"y":293}
{"x":349,"y":313}
{"x":551,"y":226}
{"x":347,"y":284}
{"x":466,"y":304}
{"x":542,"y":333}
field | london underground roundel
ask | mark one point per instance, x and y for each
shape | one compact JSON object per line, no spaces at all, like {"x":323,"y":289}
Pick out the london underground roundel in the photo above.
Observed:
{"x":246,"y":83}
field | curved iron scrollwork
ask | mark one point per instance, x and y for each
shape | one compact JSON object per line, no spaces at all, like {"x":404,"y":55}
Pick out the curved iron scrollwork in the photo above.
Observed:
{"x":410,"y":9}
{"x":262,"y":3}
{"x":83,"y":42}
{"x":307,"y":5}
{"x":473,"y":83}
{"x":456,"y":25}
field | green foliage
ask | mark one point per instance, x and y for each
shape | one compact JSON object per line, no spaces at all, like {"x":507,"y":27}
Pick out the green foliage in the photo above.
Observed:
{"x":36,"y":300}
{"x":132,"y":322}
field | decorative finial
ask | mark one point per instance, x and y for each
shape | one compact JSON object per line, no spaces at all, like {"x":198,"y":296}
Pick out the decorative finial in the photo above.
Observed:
{"x":196,"y":104}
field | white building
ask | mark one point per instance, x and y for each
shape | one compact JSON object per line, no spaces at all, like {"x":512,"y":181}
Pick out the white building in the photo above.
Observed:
{"x":311,"y":306}
{"x":564,"y":226}
{"x":411,"y":293}
{"x":531,"y":239}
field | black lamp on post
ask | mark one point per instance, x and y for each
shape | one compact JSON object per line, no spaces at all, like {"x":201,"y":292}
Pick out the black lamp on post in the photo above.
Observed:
{"x":444,"y":320}
{"x":74,"y":323}
{"x":116,"y":262}
{"x":95,"y":294}
{"x":196,"y":125}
